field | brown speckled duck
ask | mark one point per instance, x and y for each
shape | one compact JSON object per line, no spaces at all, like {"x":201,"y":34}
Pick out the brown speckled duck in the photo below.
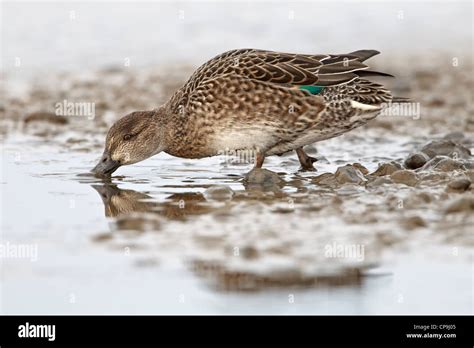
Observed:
{"x":253,"y":100}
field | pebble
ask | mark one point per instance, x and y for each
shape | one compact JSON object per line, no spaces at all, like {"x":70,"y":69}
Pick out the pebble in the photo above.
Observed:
{"x":362,"y":169}
{"x":326,"y":179}
{"x":470,"y":175}
{"x":387,"y":169}
{"x":434,"y":178}
{"x":418,"y":199}
{"x":469,"y":164}
{"x":249,"y":252}
{"x":446,"y":148}
{"x":416,"y":160}
{"x":425,"y":197}
{"x":454,"y":136}
{"x":349,"y":174}
{"x":448,"y":165}
{"x":413,"y":222}
{"x":406,"y":177}
{"x":379,"y":181}
{"x":459,"y":138}
{"x":219,"y":193}
{"x":460,"y":184}
{"x":265,"y":177}
{"x":433,"y":162}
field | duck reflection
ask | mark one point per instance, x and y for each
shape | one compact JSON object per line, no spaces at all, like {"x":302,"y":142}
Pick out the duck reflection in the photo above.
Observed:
{"x":136,"y":213}
{"x":120,"y":202}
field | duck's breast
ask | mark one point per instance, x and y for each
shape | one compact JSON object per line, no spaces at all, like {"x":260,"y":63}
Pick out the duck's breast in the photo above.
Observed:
{"x":244,"y":137}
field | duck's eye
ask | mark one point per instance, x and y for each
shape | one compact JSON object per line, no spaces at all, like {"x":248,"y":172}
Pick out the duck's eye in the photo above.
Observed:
{"x":127,"y":137}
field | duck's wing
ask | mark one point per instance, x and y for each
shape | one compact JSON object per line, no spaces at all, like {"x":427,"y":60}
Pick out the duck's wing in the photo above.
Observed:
{"x":283,"y":69}
{"x":288,"y":68}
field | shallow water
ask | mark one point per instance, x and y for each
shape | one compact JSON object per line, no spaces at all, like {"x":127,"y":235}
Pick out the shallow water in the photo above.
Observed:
{"x":153,"y":240}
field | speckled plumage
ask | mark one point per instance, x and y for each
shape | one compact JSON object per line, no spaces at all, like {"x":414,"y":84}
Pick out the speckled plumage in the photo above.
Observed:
{"x":251,"y":99}
{"x":265,"y":102}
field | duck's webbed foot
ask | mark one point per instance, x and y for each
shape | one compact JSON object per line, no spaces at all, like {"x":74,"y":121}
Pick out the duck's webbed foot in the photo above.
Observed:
{"x":305,"y":160}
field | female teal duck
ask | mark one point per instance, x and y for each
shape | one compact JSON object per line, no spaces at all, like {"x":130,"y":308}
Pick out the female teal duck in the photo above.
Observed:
{"x":252,"y":100}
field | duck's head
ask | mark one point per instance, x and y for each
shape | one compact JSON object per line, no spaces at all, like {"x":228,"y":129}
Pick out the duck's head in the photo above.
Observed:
{"x":131,"y":139}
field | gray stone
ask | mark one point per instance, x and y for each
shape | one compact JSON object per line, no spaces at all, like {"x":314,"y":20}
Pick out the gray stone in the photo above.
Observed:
{"x":387,"y":169}
{"x":416,"y":160}
{"x":468,"y":164}
{"x":249,"y":252}
{"x":406,"y":177}
{"x":443,"y":163}
{"x":446,"y":148}
{"x":326,"y":179}
{"x":460,"y":139}
{"x":349,"y":174}
{"x":460,"y":184}
{"x":448,"y":165}
{"x":258,"y":176}
{"x":362,"y":169}
{"x":219,"y":193}
{"x":413,"y":222}
{"x":455,"y":136}
{"x":470,"y":175}
{"x":434,"y":178}
{"x":379,"y":181}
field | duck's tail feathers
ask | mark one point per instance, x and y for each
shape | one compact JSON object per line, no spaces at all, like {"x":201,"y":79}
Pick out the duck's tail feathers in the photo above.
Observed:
{"x":364,"y":54}
{"x":368,"y":73}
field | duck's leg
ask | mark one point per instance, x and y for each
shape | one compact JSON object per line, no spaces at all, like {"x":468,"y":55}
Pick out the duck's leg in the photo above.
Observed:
{"x":259,"y":159}
{"x":305,"y":160}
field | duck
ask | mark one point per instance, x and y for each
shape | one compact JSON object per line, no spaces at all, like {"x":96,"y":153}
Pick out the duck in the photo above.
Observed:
{"x":263,"y":102}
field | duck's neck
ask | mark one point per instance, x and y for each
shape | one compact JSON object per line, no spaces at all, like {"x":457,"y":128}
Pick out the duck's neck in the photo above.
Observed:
{"x":159,"y":126}
{"x":174,"y":129}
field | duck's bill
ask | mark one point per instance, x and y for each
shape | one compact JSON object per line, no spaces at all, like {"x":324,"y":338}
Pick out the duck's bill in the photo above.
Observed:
{"x":105,"y":167}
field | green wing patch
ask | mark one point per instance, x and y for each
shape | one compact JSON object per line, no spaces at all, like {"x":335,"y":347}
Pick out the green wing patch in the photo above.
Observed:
{"x":312,"y":89}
